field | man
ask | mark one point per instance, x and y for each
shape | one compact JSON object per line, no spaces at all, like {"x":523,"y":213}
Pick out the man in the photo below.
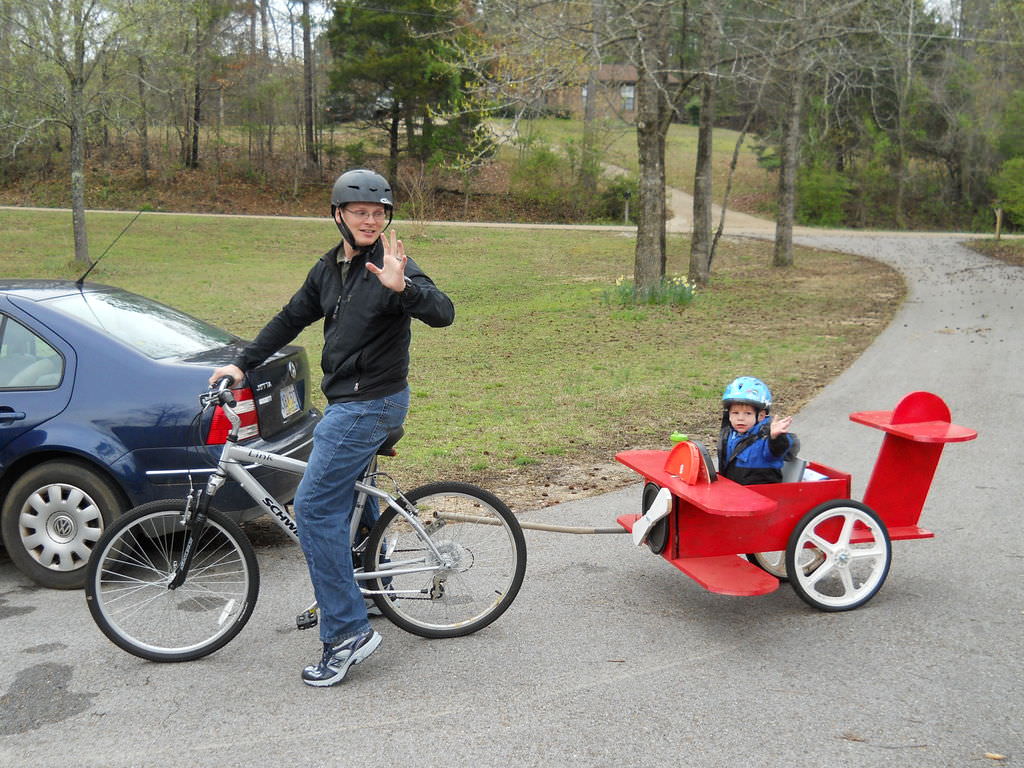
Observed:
{"x":367,"y":291}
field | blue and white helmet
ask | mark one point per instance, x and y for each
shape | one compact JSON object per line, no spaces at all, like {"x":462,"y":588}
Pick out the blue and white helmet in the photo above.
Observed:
{"x":747,"y":390}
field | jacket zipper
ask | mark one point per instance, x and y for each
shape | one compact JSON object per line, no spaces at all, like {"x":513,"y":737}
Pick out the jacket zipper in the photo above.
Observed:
{"x":338,"y":312}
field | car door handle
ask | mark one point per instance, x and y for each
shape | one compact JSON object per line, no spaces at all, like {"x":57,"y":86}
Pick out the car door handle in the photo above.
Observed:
{"x":11,"y":416}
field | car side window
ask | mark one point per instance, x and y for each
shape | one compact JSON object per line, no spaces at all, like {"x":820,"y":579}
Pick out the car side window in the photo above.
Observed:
{"x":26,"y":361}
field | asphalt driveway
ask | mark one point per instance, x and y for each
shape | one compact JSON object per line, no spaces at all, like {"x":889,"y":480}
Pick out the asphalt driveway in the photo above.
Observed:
{"x":610,"y":657}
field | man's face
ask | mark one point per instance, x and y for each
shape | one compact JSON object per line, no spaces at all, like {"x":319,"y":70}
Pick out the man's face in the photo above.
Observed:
{"x":366,"y":220}
{"x":742,"y":417}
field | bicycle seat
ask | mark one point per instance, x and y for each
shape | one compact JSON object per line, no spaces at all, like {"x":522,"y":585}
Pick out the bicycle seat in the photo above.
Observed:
{"x":387,"y":448}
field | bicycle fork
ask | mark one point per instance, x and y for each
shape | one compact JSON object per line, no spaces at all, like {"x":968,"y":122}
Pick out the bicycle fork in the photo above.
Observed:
{"x":197,"y":503}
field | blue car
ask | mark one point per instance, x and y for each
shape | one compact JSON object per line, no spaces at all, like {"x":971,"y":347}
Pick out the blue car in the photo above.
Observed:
{"x":99,"y":413}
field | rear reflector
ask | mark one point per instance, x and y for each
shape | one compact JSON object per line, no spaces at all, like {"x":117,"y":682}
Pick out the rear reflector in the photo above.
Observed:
{"x":245,"y":407}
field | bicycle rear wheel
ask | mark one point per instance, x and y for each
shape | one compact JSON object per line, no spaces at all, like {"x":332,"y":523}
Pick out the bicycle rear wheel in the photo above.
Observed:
{"x":482,"y":564}
{"x":131,"y":567}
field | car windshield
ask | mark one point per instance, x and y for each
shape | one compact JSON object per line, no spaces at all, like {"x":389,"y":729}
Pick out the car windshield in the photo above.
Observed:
{"x":156,"y":330}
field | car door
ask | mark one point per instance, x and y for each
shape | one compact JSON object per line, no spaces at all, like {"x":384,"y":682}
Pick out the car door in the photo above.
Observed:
{"x":36,"y":375}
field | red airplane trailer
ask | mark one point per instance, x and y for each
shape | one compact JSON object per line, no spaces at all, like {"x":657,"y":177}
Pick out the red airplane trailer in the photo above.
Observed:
{"x":835,"y":551}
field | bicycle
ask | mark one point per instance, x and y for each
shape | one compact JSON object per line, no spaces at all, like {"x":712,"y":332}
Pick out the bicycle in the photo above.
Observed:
{"x":176,"y":580}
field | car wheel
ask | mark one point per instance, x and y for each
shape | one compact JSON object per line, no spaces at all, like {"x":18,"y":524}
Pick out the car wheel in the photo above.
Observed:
{"x":53,"y":516}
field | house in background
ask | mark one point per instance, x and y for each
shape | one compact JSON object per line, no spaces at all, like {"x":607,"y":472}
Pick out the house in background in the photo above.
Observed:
{"x":616,"y":95}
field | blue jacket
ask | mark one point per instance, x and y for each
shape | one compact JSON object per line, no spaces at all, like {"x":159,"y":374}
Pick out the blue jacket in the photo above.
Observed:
{"x":754,"y":457}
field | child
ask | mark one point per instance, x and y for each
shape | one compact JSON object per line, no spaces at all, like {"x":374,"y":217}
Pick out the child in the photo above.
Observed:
{"x":753,"y":447}
{"x":751,"y":450}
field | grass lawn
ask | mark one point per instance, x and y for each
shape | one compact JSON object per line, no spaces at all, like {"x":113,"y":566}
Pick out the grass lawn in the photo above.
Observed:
{"x":540,"y":381}
{"x":753,"y":188}
{"x":1009,"y":250}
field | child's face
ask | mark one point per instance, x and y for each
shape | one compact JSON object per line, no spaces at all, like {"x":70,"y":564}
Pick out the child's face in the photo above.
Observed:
{"x":742,"y":417}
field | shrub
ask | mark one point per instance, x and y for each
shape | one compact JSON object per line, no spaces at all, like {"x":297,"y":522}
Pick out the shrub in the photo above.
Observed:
{"x":1008,"y":185}
{"x":821,"y":197}
{"x":541,"y":178}
{"x":1011,"y":137}
{"x":611,"y":202}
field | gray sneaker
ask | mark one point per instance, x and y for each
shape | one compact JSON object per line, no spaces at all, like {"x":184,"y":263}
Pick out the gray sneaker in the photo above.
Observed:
{"x":338,"y":657}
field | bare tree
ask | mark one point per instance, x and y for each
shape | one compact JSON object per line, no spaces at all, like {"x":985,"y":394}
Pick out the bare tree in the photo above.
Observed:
{"x":806,"y":32}
{"x":67,"y":42}
{"x":649,"y":50}
{"x":701,"y":242}
{"x":312,"y":157}
{"x":904,"y":41}
{"x":209,"y":18}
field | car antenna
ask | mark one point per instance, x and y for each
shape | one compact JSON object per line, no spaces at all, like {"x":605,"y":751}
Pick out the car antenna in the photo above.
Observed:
{"x":81,"y":280}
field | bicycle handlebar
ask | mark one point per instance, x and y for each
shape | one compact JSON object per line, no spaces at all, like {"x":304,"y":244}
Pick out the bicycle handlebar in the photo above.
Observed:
{"x":224,"y":395}
{"x":220,"y":393}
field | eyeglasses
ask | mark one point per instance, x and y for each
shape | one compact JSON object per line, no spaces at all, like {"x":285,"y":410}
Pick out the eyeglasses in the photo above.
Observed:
{"x":360,"y":213}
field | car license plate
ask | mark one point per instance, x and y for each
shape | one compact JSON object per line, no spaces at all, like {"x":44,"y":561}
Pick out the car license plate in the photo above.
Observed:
{"x":289,"y":401}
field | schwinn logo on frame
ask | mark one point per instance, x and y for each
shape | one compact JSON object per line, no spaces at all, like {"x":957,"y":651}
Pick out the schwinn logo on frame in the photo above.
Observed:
{"x":280,"y":514}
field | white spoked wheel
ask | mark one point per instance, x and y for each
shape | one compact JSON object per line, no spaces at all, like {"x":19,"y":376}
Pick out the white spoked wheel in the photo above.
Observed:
{"x":855,"y":550}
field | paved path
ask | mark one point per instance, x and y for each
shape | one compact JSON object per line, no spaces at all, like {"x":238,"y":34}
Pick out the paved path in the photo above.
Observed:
{"x":610,"y":657}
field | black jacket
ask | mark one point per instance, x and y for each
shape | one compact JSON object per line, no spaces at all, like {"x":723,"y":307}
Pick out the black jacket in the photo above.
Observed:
{"x":366,"y":326}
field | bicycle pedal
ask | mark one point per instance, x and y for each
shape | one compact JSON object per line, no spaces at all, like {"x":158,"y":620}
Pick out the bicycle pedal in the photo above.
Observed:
{"x":307,"y":619}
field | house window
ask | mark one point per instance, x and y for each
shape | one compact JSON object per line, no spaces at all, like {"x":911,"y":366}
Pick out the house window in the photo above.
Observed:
{"x":627,"y":92}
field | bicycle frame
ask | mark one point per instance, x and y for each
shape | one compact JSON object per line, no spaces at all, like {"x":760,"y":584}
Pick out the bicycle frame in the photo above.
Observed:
{"x":173,"y":581}
{"x":231,"y":465}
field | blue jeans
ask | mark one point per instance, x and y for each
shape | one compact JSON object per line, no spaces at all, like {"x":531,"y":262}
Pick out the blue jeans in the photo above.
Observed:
{"x":344,"y":441}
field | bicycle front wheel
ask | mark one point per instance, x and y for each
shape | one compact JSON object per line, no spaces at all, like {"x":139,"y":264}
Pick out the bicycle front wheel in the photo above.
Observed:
{"x":131,"y":568}
{"x":472,"y":578}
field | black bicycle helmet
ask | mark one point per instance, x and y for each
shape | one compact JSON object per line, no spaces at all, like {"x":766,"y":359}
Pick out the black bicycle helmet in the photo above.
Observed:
{"x":360,"y":185}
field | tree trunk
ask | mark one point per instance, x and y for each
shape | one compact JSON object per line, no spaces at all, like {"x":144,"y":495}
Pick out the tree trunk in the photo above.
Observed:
{"x":701,"y":241}
{"x":251,"y":11}
{"x":790,"y":145}
{"x":192,"y":120}
{"x":265,"y":27}
{"x":312,"y":158}
{"x":193,"y":155}
{"x":77,"y":99}
{"x":78,"y":173}
{"x":143,"y":121}
{"x":393,"y":132}
{"x":649,"y":266}
{"x":588,"y":151}
{"x":651,"y":125}
{"x":426,"y":136}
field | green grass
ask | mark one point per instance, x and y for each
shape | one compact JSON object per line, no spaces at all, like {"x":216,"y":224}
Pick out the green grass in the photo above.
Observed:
{"x":538,"y":370}
{"x":1009,"y":249}
{"x":753,"y":188}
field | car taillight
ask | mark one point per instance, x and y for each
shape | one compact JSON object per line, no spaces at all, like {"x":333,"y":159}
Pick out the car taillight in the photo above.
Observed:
{"x":245,"y":407}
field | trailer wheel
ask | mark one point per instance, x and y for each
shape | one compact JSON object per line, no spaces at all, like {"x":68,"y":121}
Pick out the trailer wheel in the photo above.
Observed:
{"x":771,"y":562}
{"x":775,"y":562}
{"x":856,"y":552}
{"x":657,"y":537}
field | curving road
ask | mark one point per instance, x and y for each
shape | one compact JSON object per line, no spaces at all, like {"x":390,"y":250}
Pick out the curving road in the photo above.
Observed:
{"x":610,"y":657}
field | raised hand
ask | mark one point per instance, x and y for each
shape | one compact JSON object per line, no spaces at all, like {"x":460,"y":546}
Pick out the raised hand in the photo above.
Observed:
{"x":392,"y":273}
{"x":781,"y":426}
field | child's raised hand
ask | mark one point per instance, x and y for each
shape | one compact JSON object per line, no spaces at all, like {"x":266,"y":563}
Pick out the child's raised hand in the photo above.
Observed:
{"x":781,"y":426}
